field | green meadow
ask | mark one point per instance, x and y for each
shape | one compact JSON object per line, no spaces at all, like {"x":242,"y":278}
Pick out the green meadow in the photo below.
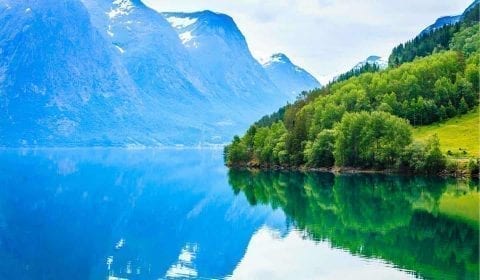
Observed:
{"x":459,"y":136}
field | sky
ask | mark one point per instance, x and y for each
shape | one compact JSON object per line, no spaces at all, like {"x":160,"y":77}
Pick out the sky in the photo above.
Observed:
{"x":326,"y":37}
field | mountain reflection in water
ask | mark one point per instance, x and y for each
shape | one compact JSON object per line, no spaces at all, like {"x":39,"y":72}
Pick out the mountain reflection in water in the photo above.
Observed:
{"x":163,"y":214}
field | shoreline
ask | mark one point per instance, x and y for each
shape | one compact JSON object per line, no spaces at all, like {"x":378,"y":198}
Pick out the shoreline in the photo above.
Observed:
{"x":459,"y":174}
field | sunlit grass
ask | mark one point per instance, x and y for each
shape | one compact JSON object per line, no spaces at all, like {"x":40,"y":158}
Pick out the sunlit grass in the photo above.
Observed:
{"x":456,"y":135}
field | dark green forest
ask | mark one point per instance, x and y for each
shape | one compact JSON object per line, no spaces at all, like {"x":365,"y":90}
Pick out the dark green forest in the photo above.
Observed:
{"x":365,"y":120}
{"x":432,"y":42}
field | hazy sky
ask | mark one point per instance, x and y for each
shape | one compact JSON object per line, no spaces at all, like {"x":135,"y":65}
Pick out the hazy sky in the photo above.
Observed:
{"x":324,"y":36}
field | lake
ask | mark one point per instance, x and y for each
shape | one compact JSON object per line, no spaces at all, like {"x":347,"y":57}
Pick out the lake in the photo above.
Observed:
{"x":181,"y":214}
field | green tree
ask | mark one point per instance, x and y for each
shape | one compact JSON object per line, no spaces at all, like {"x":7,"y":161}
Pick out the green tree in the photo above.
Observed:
{"x":435,"y":161}
{"x":374,"y":139}
{"x":319,"y":153}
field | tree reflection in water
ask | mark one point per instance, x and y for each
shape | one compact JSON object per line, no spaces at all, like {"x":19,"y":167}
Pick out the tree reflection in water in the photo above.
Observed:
{"x":376,"y":216}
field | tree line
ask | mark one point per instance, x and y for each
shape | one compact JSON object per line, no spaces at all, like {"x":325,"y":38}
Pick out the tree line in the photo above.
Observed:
{"x":434,"y":41}
{"x":366,"y":120}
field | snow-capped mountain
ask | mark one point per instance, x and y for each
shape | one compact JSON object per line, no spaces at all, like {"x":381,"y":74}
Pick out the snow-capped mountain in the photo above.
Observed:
{"x":287,"y":76}
{"x":372,"y":60}
{"x":59,"y":80}
{"x":222,"y":56}
{"x":441,"y":22}
{"x":447,"y":20}
{"x":115,"y":72}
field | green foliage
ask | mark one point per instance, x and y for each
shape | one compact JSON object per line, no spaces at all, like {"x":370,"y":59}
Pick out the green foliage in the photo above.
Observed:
{"x":462,"y":36}
{"x":473,"y":167}
{"x":236,"y":153}
{"x":273,"y":118}
{"x":422,"y":157}
{"x":319,"y":152}
{"x":357,"y":122}
{"x":423,"y":45}
{"x":435,"y":161}
{"x":367,"y":68}
{"x":467,"y":40}
{"x":374,"y":139}
{"x":395,"y":218}
{"x":457,"y":135}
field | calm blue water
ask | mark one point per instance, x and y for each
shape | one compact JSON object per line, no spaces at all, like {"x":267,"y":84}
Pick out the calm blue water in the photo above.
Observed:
{"x":177,"y":214}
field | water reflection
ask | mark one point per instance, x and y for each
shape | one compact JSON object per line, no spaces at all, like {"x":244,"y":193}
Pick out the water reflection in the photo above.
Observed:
{"x":69,"y":214}
{"x":167,"y":214}
{"x":397,"y":219}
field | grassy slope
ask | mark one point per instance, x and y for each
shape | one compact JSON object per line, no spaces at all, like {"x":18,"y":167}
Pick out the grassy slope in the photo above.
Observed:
{"x":456,"y":134}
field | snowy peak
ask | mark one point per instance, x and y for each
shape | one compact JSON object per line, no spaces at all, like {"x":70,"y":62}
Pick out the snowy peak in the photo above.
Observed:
{"x":372,"y":60}
{"x":191,"y":26}
{"x":220,"y":51}
{"x":289,"y":77}
{"x":116,"y":72}
{"x":120,"y":7}
{"x":277,"y":58}
{"x":441,"y":22}
{"x":449,"y":20}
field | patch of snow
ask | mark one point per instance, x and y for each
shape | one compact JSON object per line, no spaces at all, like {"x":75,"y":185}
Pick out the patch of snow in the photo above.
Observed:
{"x":273,"y":59}
{"x":186,"y":37}
{"x":372,"y":60}
{"x":181,"y":22}
{"x":277,"y":59}
{"x":123,"y":7}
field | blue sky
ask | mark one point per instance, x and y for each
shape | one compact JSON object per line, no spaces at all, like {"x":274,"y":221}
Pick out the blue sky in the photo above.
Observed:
{"x":326,"y":37}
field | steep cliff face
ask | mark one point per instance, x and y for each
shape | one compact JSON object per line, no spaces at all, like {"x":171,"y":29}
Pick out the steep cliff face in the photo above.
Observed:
{"x":85,"y":72}
{"x":59,"y":79}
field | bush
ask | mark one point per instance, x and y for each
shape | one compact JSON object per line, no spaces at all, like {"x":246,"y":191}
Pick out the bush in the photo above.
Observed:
{"x":473,"y":167}
{"x":236,"y":153}
{"x":452,"y":166}
{"x":435,"y":161}
{"x":424,"y":158}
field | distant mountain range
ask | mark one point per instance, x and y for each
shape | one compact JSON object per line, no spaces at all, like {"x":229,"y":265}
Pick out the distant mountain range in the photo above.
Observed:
{"x":372,"y":60}
{"x":103,"y":72}
{"x":448,"y":20}
{"x":288,"y":76}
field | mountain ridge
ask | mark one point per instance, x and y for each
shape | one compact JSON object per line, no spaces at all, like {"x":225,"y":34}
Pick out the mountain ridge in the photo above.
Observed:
{"x":288,"y":76}
{"x":121,"y":75}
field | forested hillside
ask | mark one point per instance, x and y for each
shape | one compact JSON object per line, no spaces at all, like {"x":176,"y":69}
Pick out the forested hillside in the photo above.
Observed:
{"x":366,"y":121}
{"x":437,"y":40}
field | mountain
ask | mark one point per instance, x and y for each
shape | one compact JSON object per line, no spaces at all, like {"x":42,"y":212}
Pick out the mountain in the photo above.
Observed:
{"x":220,"y":51}
{"x":155,"y":59}
{"x":448,"y":20}
{"x":289,"y":77}
{"x":373,"y":63}
{"x":441,"y":22}
{"x":372,"y":60}
{"x":85,"y":72}
{"x":439,"y":37}
{"x":60,"y":82}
